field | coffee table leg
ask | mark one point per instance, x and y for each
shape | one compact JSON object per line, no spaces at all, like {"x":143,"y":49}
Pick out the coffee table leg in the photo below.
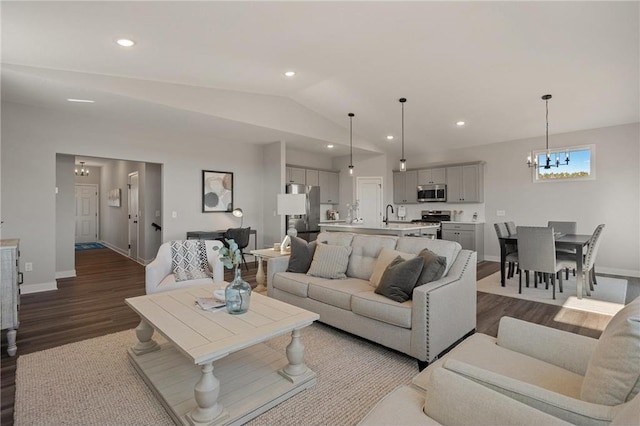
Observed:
{"x":206,"y":394}
{"x":295,"y":354}
{"x":145,"y":344}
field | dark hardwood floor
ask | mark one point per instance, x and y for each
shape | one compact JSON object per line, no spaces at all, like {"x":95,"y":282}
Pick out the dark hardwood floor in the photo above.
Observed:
{"x":91,"y":305}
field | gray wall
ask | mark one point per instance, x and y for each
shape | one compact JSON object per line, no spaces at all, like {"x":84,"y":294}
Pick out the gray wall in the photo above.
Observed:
{"x":65,"y":217}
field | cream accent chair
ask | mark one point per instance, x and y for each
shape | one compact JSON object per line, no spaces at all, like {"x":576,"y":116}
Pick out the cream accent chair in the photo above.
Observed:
{"x":159,"y":273}
{"x":575,"y":378}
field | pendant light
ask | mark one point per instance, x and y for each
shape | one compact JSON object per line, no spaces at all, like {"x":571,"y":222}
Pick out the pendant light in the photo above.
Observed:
{"x":83,"y":171}
{"x":351,"y":115}
{"x":548,"y":163}
{"x":403,"y":161}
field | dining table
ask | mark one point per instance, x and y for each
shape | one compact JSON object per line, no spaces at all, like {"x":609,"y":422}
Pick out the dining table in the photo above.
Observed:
{"x":578,"y":242}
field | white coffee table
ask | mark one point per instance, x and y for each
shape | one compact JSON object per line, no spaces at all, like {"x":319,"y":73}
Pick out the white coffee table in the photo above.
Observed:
{"x":265,"y":254}
{"x":250,"y":377}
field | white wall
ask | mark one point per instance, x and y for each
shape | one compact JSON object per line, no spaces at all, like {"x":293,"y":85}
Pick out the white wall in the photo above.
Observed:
{"x":152,"y":204}
{"x":33,"y":136}
{"x":303,"y":159}
{"x":65,"y":216}
{"x":274,"y":177}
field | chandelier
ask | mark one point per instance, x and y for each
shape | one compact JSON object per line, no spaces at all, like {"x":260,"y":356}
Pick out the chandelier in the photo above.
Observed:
{"x":82,"y":171}
{"x":533,"y":162}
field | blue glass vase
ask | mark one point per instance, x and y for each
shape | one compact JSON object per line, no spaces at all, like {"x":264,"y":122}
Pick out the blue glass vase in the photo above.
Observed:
{"x":237,"y":295}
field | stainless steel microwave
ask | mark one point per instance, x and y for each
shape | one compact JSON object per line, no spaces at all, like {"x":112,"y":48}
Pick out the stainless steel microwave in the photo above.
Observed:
{"x":432,"y":193}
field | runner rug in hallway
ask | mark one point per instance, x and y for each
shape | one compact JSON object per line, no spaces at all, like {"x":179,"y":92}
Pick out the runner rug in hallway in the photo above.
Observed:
{"x":93,"y":382}
{"x":89,"y":246}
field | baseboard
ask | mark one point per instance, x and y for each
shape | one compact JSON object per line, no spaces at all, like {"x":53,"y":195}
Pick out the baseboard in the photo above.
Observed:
{"x":37,"y":288}
{"x":115,"y":248}
{"x":66,"y":274}
{"x":599,"y":269}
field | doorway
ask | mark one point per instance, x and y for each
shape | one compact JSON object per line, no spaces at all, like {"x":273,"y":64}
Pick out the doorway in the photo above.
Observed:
{"x":86,"y":213}
{"x":369,"y":197}
{"x":134,"y":213}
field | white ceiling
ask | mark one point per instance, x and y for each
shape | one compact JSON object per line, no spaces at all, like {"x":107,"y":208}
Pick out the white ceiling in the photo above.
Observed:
{"x":487,"y":63}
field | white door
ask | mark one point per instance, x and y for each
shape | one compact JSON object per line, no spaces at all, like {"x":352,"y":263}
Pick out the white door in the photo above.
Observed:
{"x":369,"y":197}
{"x":86,"y":213}
{"x":133,"y":215}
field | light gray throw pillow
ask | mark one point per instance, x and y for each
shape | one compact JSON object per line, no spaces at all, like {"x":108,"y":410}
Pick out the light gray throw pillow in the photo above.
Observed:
{"x":330,"y":261}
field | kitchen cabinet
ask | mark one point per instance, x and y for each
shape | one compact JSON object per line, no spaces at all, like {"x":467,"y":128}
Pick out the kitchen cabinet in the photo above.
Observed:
{"x":405,"y":187}
{"x":10,"y":280}
{"x":312,"y":177}
{"x":465,"y":184}
{"x":296,"y":175}
{"x":431,"y":176}
{"x":329,"y":187}
{"x":469,"y":235}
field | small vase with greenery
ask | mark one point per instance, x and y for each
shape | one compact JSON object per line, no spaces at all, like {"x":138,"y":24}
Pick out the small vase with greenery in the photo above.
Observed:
{"x":238,"y":292}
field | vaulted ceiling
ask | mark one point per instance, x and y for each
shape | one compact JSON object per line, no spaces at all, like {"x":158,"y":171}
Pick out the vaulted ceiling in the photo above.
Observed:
{"x":217,"y":67}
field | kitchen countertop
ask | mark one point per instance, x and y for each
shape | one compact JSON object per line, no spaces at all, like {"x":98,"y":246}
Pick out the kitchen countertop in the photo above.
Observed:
{"x":398,"y":229}
{"x":464,"y":222}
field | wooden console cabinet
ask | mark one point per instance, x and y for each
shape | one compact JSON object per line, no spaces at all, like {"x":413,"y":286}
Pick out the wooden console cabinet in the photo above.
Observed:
{"x":10,"y":280}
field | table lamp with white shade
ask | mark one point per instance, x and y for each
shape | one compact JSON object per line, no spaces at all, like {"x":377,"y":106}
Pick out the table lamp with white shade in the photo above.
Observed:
{"x":291,"y":204}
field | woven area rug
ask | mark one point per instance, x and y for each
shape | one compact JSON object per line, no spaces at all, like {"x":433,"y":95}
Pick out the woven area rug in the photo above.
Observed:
{"x":93,"y":383}
{"x":607,"y":298}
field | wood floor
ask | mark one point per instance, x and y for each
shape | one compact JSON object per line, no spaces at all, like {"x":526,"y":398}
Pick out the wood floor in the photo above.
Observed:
{"x":91,"y":305}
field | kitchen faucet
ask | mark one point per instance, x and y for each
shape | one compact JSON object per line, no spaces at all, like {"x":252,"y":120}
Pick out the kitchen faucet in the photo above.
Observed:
{"x":386,"y":212}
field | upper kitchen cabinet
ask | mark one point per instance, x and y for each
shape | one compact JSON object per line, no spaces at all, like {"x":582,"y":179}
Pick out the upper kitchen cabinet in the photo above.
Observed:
{"x":296,"y":175}
{"x":329,"y":187}
{"x":429,"y":176}
{"x":405,"y":187}
{"x":465,"y":184}
{"x":312,"y":177}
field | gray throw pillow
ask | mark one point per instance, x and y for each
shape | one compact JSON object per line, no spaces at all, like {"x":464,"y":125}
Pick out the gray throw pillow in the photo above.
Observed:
{"x":433,"y":267}
{"x":301,"y":255}
{"x":400,"y":278}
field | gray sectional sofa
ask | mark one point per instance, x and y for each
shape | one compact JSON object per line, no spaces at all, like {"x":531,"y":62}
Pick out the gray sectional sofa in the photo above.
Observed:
{"x":440,"y":312}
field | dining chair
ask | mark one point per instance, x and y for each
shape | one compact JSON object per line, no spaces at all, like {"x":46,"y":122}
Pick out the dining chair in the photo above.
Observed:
{"x":588,"y":269}
{"x":241,"y":237}
{"x":511,"y":227}
{"x":512,"y":250}
{"x":564,"y":228}
{"x":537,"y":252}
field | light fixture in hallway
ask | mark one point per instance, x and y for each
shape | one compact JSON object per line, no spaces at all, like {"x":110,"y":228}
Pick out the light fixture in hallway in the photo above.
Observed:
{"x":83,"y":171}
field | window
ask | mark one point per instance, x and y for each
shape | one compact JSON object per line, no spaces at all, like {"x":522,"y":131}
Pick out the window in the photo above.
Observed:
{"x":581,"y":164}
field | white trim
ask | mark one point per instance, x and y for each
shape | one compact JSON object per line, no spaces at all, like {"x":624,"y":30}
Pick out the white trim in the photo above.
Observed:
{"x":66,"y":274}
{"x":37,"y":288}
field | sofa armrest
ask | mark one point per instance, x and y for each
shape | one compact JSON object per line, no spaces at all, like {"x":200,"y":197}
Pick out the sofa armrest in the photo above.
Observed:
{"x":558,"y":405}
{"x":158,"y":269}
{"x":453,"y":399}
{"x":443,"y":311}
{"x":275,"y":265}
{"x":566,"y":350}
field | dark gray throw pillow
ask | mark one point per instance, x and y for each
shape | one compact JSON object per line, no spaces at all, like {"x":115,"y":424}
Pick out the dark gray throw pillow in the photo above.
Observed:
{"x":399,"y":279}
{"x":433,"y":267}
{"x":301,"y":255}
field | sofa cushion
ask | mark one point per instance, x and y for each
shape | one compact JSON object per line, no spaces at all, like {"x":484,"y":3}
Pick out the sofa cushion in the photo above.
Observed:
{"x":294,"y":283}
{"x":433,"y":267}
{"x":301,"y":255}
{"x":385,"y":257}
{"x":482,"y":351}
{"x":337,"y":292}
{"x":377,"y":307}
{"x":448,"y":249}
{"x":613,"y":373}
{"x":400,"y":278}
{"x":366,"y":249}
{"x":330,"y":261}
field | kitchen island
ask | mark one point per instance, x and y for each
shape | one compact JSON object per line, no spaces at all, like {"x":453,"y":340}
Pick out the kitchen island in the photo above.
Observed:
{"x":398,"y":229}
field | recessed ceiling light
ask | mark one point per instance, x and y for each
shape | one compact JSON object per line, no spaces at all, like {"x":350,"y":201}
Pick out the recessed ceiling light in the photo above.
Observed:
{"x":329,"y":146}
{"x":390,"y":137}
{"x":125,"y":42}
{"x":459,"y":123}
{"x":86,"y":101}
{"x":290,"y":73}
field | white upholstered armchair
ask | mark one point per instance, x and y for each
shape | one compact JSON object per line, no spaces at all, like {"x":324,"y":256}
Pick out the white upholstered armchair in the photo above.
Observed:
{"x":159,"y":274}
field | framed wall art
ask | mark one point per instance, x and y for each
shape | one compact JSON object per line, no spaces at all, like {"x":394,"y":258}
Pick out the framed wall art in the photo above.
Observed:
{"x":113,"y":197}
{"x":217,"y":191}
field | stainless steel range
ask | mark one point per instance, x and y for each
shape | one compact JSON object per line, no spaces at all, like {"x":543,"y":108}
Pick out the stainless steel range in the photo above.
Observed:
{"x":431,"y":217}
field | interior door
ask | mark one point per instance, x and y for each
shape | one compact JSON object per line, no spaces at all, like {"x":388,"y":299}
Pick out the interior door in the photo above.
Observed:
{"x":86,"y":213}
{"x":133,"y":215}
{"x":369,"y":196}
